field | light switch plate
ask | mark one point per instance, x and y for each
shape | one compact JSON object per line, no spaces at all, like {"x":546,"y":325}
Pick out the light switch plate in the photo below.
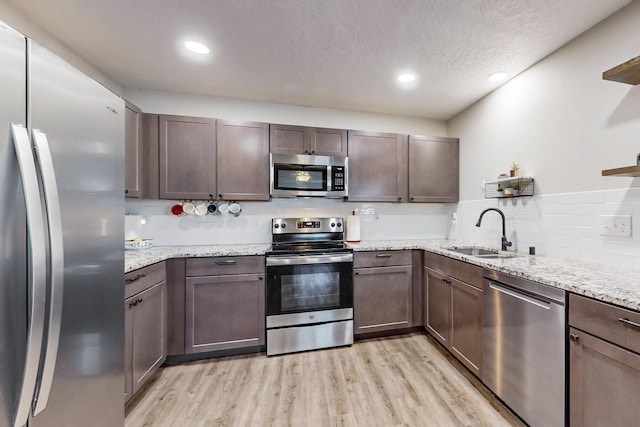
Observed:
{"x":615,"y":225}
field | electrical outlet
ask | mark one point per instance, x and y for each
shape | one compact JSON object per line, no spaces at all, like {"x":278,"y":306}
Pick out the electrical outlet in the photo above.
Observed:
{"x":615,"y":225}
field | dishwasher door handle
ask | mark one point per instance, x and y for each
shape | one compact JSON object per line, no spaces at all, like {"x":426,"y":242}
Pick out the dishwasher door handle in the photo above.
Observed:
{"x":531,"y":300}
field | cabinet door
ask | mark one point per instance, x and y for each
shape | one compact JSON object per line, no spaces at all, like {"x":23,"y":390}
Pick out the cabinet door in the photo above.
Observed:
{"x":187,"y":158}
{"x":466,"y":325}
{"x":133,"y":151}
{"x":128,"y":349}
{"x":224,"y":312}
{"x":149,"y":328}
{"x":604,"y":383}
{"x":243,"y":160}
{"x":434,"y":169}
{"x":437,"y":291}
{"x":328,"y":142}
{"x":382,"y":299}
{"x":377,"y":167}
{"x":289,"y":139}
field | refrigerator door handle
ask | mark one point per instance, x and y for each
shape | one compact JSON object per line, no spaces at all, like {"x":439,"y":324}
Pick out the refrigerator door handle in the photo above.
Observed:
{"x":37,"y":271}
{"x":56,"y":257}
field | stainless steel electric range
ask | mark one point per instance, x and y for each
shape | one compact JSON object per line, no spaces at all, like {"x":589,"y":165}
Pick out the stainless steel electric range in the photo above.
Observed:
{"x":309,"y":286}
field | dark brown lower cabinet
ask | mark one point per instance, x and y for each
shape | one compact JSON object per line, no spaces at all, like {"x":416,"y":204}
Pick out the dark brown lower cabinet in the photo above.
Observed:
{"x":453,"y":308}
{"x":382,"y":299}
{"x":224,"y":311}
{"x":145,"y":329}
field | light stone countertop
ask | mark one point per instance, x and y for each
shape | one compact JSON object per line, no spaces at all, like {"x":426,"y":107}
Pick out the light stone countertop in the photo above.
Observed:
{"x":601,"y":282}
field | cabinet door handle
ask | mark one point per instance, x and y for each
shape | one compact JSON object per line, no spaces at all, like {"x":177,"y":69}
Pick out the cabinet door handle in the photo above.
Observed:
{"x":133,"y":279}
{"x":383,"y":255}
{"x":226,"y":262}
{"x":574,"y":337}
{"x":139,"y":300}
{"x":628,"y":322}
{"x":133,"y":304}
{"x":357,"y":273}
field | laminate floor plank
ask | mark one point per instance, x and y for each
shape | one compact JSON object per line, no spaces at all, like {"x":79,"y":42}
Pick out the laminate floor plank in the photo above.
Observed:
{"x":406,"y":380}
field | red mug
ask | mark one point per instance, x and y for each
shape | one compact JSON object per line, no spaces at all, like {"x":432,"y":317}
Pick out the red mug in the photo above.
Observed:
{"x":176,"y":209}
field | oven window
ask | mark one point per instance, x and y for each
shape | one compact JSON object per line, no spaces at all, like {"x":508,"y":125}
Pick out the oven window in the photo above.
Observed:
{"x":310,"y":291}
{"x":292,"y":177}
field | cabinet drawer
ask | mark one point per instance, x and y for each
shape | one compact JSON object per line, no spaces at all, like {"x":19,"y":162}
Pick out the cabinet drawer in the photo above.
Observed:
{"x":605,"y":321}
{"x":469,"y":273}
{"x":381,"y":259}
{"x":143,"y":278}
{"x":225,"y":265}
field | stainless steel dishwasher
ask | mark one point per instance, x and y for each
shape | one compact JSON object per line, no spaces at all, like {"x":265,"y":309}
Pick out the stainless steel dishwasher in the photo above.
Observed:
{"x":524,"y":347}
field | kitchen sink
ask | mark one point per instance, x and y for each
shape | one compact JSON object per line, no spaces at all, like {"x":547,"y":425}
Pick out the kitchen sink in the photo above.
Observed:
{"x":482,"y":253}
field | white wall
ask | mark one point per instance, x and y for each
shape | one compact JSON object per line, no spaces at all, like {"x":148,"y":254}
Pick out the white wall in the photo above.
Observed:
{"x":237,"y":109}
{"x":559,"y":119}
{"x":563,"y":124}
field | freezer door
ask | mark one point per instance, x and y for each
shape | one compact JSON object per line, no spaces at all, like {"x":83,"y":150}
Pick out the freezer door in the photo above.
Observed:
{"x":84,"y":127}
{"x":13,"y":246}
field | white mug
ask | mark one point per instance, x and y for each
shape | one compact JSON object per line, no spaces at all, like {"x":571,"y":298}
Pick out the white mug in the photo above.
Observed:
{"x":223,"y":208}
{"x":189,"y":208}
{"x":201,"y":209}
{"x":235,"y":209}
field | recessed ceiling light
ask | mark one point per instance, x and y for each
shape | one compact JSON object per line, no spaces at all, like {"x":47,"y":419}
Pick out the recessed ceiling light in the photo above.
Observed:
{"x":406,"y":78}
{"x":196,"y":47}
{"x":498,"y":77}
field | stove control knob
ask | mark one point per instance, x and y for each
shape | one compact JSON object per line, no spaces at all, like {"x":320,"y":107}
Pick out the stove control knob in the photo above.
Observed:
{"x":276,"y":226}
{"x":284,"y":225}
{"x":339,"y":225}
{"x":333,"y":224}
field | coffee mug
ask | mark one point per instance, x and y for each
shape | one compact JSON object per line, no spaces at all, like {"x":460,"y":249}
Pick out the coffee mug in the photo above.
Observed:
{"x":235,"y":209}
{"x":223,"y":208}
{"x":177,"y":210}
{"x":189,"y":208}
{"x":201,"y":209}
{"x":212,"y":208}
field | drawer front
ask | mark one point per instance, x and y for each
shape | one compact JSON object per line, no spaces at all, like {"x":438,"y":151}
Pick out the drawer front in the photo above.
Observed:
{"x":216,"y":266}
{"x":143,"y":278}
{"x":463,"y":271}
{"x":381,"y":258}
{"x":603,"y":320}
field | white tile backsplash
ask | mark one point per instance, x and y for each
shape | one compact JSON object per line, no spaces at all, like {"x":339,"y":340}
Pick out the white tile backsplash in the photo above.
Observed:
{"x":561,"y":225}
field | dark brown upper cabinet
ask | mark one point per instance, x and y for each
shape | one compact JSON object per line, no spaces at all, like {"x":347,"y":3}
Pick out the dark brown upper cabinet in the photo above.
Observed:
{"x":133,"y":151}
{"x":306,"y":140}
{"x":243,"y":160}
{"x":377,"y":167}
{"x":187,"y":149}
{"x":434,"y":169}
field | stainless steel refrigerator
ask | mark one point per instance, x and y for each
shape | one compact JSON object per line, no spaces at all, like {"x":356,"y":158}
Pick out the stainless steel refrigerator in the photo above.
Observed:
{"x":61,"y":242}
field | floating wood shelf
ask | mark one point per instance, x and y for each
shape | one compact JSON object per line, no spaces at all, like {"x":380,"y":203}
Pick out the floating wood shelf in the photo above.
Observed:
{"x":628,"y":72}
{"x":626,"y":171}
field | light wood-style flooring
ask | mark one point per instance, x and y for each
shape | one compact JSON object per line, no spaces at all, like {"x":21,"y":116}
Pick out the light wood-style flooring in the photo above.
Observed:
{"x":405,"y":380}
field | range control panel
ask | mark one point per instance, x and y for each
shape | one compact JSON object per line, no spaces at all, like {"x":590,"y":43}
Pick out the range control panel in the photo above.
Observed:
{"x":307,"y":225}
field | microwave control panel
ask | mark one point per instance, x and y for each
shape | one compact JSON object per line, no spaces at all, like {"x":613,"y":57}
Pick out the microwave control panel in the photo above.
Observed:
{"x":337,"y":178}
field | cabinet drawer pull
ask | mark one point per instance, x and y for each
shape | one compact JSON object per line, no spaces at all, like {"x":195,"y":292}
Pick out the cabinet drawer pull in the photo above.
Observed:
{"x":133,"y":279}
{"x":227,"y":262}
{"x":574,"y":337}
{"x":383,"y":255}
{"x":628,"y":322}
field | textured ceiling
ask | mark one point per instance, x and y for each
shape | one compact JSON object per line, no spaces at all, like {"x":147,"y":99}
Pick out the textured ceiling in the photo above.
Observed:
{"x":341,"y":54}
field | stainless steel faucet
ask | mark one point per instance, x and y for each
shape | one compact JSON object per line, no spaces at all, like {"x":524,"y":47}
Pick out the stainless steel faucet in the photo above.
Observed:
{"x":505,"y":242}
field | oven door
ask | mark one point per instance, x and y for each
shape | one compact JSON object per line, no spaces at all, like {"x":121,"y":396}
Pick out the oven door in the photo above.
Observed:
{"x":309,"y":283}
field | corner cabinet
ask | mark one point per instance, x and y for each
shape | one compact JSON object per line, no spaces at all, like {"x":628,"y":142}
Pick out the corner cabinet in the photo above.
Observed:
{"x":287,"y":139}
{"x":224,"y":303}
{"x":382,"y":291}
{"x":377,"y":167}
{"x":434,"y":169}
{"x":145,"y":307}
{"x":453,"y":307}
{"x":133,"y":151}
{"x":604,"y":364}
{"x":187,"y":157}
{"x":243,"y":160}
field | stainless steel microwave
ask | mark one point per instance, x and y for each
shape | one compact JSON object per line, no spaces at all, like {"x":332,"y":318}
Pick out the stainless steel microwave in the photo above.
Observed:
{"x":308,"y":176}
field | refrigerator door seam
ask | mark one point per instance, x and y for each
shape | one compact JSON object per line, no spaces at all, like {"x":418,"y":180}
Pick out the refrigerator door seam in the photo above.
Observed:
{"x":56,"y":258}
{"x":37,"y":271}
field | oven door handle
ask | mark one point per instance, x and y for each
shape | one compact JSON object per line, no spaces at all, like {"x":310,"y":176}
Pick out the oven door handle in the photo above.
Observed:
{"x":276,"y":260}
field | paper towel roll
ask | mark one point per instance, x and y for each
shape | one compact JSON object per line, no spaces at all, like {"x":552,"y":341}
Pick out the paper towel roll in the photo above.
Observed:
{"x":353,"y":228}
{"x":132,"y":226}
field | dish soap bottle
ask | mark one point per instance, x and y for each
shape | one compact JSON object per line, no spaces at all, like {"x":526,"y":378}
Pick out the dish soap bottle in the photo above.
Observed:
{"x":353,"y":228}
